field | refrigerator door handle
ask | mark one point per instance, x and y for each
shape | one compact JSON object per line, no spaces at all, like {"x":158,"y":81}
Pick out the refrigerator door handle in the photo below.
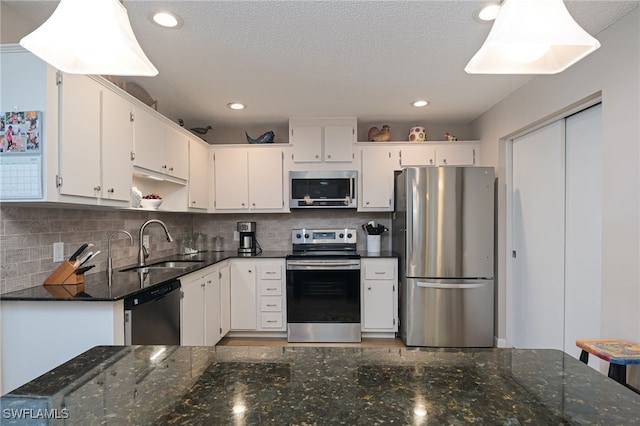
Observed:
{"x":425,"y":284}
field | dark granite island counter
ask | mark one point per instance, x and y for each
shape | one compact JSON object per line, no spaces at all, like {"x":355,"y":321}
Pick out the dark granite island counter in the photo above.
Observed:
{"x":322,"y":386}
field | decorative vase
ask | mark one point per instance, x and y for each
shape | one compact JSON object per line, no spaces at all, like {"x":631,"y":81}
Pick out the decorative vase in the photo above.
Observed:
{"x":417,"y":134}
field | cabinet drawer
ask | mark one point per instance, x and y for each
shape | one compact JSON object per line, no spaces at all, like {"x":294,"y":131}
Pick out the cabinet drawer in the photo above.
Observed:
{"x":270,"y":272}
{"x":271,"y":304}
{"x":270,"y":288}
{"x":384,"y":271}
{"x":271,"y":320}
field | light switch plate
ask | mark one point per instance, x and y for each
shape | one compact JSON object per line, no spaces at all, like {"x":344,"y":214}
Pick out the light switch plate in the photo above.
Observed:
{"x":145,"y":241}
{"x":58,"y":252}
{"x":236,"y":236}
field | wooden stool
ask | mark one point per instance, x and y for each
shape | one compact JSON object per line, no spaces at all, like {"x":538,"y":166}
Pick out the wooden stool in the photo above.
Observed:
{"x":619,"y":353}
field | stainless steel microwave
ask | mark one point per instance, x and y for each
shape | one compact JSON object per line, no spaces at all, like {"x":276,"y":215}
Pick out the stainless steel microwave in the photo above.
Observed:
{"x":323,"y":189}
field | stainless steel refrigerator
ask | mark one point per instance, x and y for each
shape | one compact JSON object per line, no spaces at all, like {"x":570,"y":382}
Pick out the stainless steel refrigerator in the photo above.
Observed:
{"x":442,"y":229}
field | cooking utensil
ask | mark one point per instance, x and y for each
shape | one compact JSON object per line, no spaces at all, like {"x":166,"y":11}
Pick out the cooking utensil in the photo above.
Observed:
{"x":372,"y":229}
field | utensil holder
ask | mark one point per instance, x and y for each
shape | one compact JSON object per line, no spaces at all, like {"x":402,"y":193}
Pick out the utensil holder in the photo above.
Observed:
{"x":373,"y":243}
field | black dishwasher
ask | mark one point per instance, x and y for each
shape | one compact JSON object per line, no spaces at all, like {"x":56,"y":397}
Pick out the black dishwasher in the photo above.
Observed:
{"x":152,"y":317}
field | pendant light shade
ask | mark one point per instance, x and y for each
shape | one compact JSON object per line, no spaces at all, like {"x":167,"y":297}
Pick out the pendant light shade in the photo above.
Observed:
{"x":90,"y":37}
{"x":532,"y":37}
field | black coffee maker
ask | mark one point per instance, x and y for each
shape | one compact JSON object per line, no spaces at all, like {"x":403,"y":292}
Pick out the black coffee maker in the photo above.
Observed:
{"x":247,"y":232}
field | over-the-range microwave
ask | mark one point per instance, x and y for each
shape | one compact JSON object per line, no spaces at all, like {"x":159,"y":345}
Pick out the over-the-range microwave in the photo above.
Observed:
{"x":323,"y":189}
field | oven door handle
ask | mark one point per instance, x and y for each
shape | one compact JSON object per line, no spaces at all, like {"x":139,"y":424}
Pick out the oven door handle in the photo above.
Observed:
{"x":322,"y":265}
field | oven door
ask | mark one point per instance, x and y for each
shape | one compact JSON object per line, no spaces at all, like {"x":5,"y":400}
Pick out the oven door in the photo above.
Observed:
{"x":323,"y":299}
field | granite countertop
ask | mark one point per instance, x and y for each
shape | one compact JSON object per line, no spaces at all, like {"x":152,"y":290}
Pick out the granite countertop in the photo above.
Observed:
{"x":96,"y":288}
{"x":323,"y":385}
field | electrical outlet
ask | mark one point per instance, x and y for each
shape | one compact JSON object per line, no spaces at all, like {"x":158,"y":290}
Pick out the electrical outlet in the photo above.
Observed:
{"x":145,"y":241}
{"x":236,"y":236}
{"x":58,"y":252}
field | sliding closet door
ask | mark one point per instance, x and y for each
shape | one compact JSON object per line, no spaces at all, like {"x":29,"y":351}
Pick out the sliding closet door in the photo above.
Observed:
{"x":583,"y":228}
{"x":538,"y":238}
{"x":557,"y":233}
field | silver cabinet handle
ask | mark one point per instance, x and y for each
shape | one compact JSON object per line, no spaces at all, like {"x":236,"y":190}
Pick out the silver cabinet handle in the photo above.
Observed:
{"x":111,"y":190}
{"x":97,"y":188}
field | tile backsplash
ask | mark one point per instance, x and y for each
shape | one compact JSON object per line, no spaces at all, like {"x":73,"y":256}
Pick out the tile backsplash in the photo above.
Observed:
{"x":27,"y":235}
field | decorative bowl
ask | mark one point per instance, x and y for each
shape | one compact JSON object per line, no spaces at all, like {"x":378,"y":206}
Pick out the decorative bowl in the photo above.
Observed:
{"x":151,"y":204}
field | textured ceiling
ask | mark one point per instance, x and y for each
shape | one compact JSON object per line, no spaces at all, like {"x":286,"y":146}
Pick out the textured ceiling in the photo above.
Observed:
{"x":284,"y":59}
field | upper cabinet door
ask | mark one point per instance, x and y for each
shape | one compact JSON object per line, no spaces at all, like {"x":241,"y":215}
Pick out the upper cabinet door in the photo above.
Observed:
{"x":419,"y":155}
{"x":307,"y":144}
{"x":231,"y":179}
{"x":338,"y":143}
{"x":198,"y":175}
{"x":176,"y":153}
{"x":117,"y":141}
{"x":80,"y":136}
{"x":459,"y":155}
{"x":148,"y":140}
{"x":378,"y":165}
{"x":266,"y":179}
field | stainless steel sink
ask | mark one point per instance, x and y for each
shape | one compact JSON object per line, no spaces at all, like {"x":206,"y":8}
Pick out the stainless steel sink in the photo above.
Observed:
{"x":164,"y":265}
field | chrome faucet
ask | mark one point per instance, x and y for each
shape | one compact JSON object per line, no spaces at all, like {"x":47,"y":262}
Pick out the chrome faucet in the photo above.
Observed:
{"x":142,"y":252}
{"x":109,"y":261}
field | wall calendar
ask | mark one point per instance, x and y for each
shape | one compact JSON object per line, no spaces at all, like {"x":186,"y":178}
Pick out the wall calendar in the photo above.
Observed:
{"x":21,"y":155}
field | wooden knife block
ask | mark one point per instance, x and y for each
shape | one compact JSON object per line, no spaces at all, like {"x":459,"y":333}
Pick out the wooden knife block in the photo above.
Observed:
{"x":64,"y":274}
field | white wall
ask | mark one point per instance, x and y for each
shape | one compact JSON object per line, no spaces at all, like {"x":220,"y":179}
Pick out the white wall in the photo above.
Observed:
{"x":613,"y":71}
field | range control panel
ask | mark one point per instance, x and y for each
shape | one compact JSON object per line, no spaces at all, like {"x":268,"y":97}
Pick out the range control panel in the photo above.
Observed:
{"x":324,"y":236}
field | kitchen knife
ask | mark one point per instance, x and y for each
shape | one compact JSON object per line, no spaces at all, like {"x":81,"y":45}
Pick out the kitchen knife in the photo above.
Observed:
{"x":87,"y":258}
{"x":84,"y":269}
{"x":78,"y":252}
{"x":83,"y":259}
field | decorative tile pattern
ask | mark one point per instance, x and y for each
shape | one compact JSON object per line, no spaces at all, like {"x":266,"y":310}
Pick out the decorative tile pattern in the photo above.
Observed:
{"x":27,"y":235}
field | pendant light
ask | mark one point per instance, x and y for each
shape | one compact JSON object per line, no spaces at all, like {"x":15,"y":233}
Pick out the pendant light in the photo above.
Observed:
{"x":90,"y":37}
{"x":532,"y":37}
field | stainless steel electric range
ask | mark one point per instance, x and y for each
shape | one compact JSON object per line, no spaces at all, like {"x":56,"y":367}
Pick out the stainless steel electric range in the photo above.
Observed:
{"x":323,"y":286}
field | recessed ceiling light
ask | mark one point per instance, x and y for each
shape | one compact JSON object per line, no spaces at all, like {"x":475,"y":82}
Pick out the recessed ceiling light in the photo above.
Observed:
{"x":420,"y":103}
{"x":489,"y":12}
{"x":167,"y":19}
{"x":236,"y":105}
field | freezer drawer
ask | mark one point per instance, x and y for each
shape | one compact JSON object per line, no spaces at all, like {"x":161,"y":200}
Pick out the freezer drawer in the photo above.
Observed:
{"x":447,"y":313}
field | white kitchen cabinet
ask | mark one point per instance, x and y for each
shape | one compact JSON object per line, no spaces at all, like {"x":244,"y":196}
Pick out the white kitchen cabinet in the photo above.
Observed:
{"x":201,"y":308}
{"x":79,"y":136}
{"x":378,"y":164}
{"x":249,"y":179}
{"x":95,"y":140}
{"x":328,"y":140}
{"x":225,"y":298}
{"x":454,"y":154}
{"x":418,"y":155}
{"x":198,"y":175}
{"x":192,"y":310}
{"x":272,"y":301}
{"x":117,"y":137}
{"x":212,"y":308}
{"x":243,"y":295}
{"x":439,"y":154}
{"x":258,"y":301}
{"x":176,"y":153}
{"x":158,"y":147}
{"x":379,"y":279}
